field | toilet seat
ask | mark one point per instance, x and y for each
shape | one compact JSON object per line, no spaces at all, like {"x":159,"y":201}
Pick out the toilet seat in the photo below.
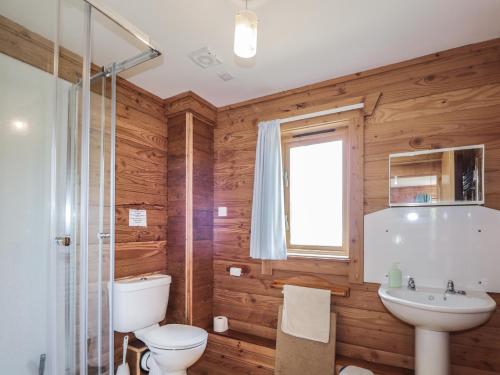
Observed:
{"x":175,"y":337}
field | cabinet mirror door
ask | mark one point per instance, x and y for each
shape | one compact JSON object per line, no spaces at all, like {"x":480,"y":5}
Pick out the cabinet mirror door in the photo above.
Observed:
{"x":451,"y":176}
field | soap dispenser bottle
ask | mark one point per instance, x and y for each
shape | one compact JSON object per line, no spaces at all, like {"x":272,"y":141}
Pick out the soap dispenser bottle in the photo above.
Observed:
{"x":395,"y":276}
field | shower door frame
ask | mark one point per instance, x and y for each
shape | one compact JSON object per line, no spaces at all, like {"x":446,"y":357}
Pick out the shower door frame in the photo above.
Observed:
{"x":77,"y":191}
{"x":84,"y":86}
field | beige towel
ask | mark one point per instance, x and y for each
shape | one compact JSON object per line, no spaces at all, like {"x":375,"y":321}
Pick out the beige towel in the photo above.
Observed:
{"x":306,"y":313}
{"x":296,"y":356}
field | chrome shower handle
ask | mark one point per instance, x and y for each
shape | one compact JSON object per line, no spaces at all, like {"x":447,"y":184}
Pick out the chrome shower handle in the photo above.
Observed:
{"x":103,"y":235}
{"x":41,"y":364}
{"x":63,"y":240}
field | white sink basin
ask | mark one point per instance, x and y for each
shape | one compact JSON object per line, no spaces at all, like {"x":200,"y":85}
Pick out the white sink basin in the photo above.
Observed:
{"x":434,"y":314}
{"x":432,"y":309}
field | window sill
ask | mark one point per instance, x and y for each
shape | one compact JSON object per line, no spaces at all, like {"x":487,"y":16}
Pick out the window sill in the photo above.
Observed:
{"x":338,"y":258}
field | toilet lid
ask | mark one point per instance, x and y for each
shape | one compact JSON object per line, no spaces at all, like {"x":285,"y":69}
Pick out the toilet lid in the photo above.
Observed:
{"x":175,"y":336}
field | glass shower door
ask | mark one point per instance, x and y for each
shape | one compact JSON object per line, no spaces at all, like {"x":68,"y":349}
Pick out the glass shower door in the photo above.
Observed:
{"x":57,"y":121}
{"x":100,"y":216}
{"x":84,"y":217}
{"x":27,"y":101}
{"x":90,"y":203}
{"x":33,"y":146}
{"x":91,"y":199}
{"x":54,"y":291}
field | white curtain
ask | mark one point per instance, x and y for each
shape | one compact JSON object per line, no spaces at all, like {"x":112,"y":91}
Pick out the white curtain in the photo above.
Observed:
{"x":268,"y":239}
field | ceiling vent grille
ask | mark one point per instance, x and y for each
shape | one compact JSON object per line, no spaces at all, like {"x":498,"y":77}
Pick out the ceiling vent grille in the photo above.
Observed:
{"x":226,"y":76}
{"x":204,"y":58}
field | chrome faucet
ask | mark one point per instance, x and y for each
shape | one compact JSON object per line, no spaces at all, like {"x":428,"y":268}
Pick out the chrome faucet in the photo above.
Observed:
{"x":411,"y":283}
{"x":450,"y":289}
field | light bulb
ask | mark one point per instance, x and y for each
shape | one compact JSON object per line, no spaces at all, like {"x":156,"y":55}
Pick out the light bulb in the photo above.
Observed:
{"x":19,"y":126}
{"x":245,"y":34}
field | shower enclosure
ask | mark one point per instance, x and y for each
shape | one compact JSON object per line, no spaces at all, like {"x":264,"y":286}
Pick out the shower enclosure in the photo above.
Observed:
{"x":59,"y":66}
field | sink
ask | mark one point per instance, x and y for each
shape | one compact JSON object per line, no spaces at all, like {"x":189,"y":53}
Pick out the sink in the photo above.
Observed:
{"x":434,"y":314}
{"x":432,"y":309}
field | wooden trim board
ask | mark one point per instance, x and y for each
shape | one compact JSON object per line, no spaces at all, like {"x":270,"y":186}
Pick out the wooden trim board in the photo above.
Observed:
{"x":189,"y":218}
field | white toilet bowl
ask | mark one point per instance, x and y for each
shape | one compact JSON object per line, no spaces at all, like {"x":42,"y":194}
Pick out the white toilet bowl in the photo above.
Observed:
{"x":173,"y":347}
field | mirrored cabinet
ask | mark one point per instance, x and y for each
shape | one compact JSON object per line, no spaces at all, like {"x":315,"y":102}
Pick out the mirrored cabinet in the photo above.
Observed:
{"x":449,"y":176}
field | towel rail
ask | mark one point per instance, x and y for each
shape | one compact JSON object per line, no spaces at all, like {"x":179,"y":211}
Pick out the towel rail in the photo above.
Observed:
{"x":312,"y":282}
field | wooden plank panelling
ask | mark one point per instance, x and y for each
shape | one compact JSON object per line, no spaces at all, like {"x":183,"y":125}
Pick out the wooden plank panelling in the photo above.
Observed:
{"x":190,"y":218}
{"x":176,"y":227}
{"x":227,"y":355}
{"x":141,"y":182}
{"x":137,"y":258}
{"x":190,"y":102}
{"x":203,"y":136}
{"x":446,"y":99}
{"x":237,"y":353}
{"x":441,"y":100}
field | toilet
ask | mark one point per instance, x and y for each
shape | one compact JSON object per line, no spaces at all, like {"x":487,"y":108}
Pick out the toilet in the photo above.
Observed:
{"x":139,"y":304}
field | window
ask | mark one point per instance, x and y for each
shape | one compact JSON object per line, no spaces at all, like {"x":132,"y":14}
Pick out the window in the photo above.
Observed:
{"x":315,"y":180}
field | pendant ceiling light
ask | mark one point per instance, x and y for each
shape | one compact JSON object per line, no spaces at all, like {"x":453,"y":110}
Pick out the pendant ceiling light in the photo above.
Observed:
{"x":245,"y":33}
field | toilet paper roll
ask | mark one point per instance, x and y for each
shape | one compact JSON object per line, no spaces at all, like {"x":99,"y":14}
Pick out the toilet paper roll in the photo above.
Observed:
{"x":220,"y":324}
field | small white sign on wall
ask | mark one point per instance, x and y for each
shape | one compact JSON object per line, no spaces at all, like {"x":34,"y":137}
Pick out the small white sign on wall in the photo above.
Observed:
{"x":137,"y":218}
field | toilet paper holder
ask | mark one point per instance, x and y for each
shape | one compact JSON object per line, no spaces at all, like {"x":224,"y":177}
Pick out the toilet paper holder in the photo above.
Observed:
{"x":245,"y":270}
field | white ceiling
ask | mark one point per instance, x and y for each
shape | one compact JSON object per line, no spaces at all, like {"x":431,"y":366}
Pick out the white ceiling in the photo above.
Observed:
{"x":299,"y":42}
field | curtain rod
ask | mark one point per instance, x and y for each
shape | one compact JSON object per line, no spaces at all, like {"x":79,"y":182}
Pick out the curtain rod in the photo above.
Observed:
{"x":323,"y":113}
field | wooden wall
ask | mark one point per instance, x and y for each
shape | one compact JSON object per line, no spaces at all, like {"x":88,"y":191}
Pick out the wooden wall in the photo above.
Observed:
{"x":141,"y":181}
{"x":446,"y":99}
{"x":177,"y":160}
{"x":190,"y":217}
{"x":442,"y":100}
{"x":203,"y":169}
